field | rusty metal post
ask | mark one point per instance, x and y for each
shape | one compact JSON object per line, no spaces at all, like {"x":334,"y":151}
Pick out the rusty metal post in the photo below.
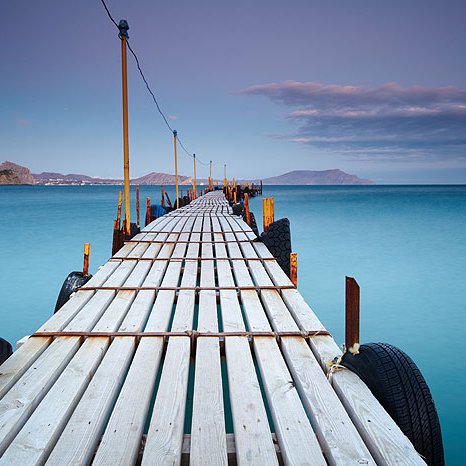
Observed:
{"x":246,"y":209}
{"x":294,"y":268}
{"x":147,"y":210}
{"x":87,"y":252}
{"x":261,"y":187}
{"x":138,"y":216}
{"x":268,"y":212}
{"x":123,"y":27}
{"x":352,"y":315}
{"x":163,"y":196}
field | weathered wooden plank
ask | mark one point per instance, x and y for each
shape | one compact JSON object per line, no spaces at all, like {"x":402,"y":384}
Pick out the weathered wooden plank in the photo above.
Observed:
{"x":165,"y":435}
{"x":15,"y":366}
{"x":252,"y":433}
{"x":80,"y":438}
{"x":208,"y":439}
{"x":120,"y":442}
{"x":338,"y":437}
{"x":41,"y":432}
{"x":297,"y":440}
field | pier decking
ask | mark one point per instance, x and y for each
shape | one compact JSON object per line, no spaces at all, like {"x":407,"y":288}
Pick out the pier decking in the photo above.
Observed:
{"x":190,"y":327}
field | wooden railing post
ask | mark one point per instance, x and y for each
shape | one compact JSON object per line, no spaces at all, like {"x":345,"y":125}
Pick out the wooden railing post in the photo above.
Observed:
{"x":268,"y":212}
{"x":246,"y":209}
{"x":87,"y":253}
{"x":294,"y":268}
{"x":123,"y":26}
{"x":352,"y":315}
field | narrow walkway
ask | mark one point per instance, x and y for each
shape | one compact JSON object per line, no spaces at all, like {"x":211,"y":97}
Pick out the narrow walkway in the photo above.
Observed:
{"x":241,"y":377}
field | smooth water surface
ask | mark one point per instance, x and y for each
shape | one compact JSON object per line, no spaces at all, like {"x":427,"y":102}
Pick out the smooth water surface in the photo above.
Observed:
{"x":406,"y":246}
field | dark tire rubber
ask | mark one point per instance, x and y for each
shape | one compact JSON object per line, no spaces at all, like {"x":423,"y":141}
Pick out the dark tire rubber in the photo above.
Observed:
{"x":134,"y":230}
{"x":397,"y":383}
{"x":277,"y":238}
{"x":5,"y":350}
{"x":237,"y":209}
{"x":253,"y":224}
{"x":72,"y":282}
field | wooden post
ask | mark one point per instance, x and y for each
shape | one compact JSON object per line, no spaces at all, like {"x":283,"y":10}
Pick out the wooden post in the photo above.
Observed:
{"x":268,"y":212}
{"x":225,"y":182}
{"x":138,"y":216}
{"x":194,"y":184}
{"x":294,"y":268}
{"x":120,"y":201}
{"x":176,"y":170}
{"x":87,"y":252}
{"x":261,"y":187}
{"x":163,"y":196}
{"x":147,"y":210}
{"x":234,"y":195}
{"x":123,"y":26}
{"x":211,"y":184}
{"x":352,"y":316}
{"x":246,"y":208}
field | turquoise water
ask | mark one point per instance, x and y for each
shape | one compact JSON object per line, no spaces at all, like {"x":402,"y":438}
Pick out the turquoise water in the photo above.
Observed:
{"x":406,"y":246}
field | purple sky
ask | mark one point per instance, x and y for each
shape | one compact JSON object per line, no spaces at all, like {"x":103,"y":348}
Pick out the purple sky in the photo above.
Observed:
{"x":377,"y":89}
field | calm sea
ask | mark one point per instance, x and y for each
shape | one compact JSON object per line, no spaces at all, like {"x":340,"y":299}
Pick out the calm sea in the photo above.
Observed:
{"x":406,"y":246}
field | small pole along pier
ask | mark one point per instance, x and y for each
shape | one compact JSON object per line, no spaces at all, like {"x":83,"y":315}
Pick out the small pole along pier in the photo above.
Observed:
{"x":191,"y":323}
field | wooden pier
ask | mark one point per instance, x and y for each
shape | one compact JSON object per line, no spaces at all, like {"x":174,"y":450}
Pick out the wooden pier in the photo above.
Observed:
{"x":190,"y":328}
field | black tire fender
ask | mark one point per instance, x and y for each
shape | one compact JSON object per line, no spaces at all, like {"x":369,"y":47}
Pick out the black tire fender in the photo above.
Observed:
{"x":6,"y":350}
{"x":73,"y":281}
{"x":253,"y":225}
{"x":277,"y":238}
{"x":237,"y":209}
{"x":397,"y":383}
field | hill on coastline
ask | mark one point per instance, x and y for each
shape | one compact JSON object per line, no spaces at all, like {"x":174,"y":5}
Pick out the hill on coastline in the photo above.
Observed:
{"x":11,"y":173}
{"x":311,"y":177}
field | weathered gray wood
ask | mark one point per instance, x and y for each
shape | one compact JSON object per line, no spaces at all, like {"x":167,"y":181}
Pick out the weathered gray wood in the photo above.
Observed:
{"x":165,"y":435}
{"x":208,"y":439}
{"x":252,"y":433}
{"x":80,"y":438}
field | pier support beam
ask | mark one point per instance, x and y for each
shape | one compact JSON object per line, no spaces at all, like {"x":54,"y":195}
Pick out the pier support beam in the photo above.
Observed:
{"x":148,"y":210}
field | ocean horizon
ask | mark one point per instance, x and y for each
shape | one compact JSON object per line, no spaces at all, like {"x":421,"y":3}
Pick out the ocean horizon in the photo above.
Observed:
{"x":404,"y":244}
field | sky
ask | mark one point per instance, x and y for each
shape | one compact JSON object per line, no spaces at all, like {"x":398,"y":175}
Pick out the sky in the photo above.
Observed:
{"x":377,"y":89}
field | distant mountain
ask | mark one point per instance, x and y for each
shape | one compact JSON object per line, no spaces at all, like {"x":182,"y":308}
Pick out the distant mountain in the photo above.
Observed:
{"x":160,"y":178}
{"x":12,"y":173}
{"x":311,"y":177}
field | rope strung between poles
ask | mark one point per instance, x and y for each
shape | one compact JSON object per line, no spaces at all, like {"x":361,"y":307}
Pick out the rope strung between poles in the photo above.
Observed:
{"x":159,"y":109}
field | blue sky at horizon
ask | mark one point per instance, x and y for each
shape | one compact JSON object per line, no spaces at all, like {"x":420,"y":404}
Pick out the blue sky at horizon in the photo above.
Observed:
{"x":376,"y":89}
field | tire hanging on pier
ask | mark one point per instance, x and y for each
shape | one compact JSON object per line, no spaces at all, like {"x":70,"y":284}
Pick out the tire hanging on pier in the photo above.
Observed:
{"x":277,"y":238}
{"x":6,"y":350}
{"x":397,"y":383}
{"x":253,"y":225}
{"x":72,"y":282}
